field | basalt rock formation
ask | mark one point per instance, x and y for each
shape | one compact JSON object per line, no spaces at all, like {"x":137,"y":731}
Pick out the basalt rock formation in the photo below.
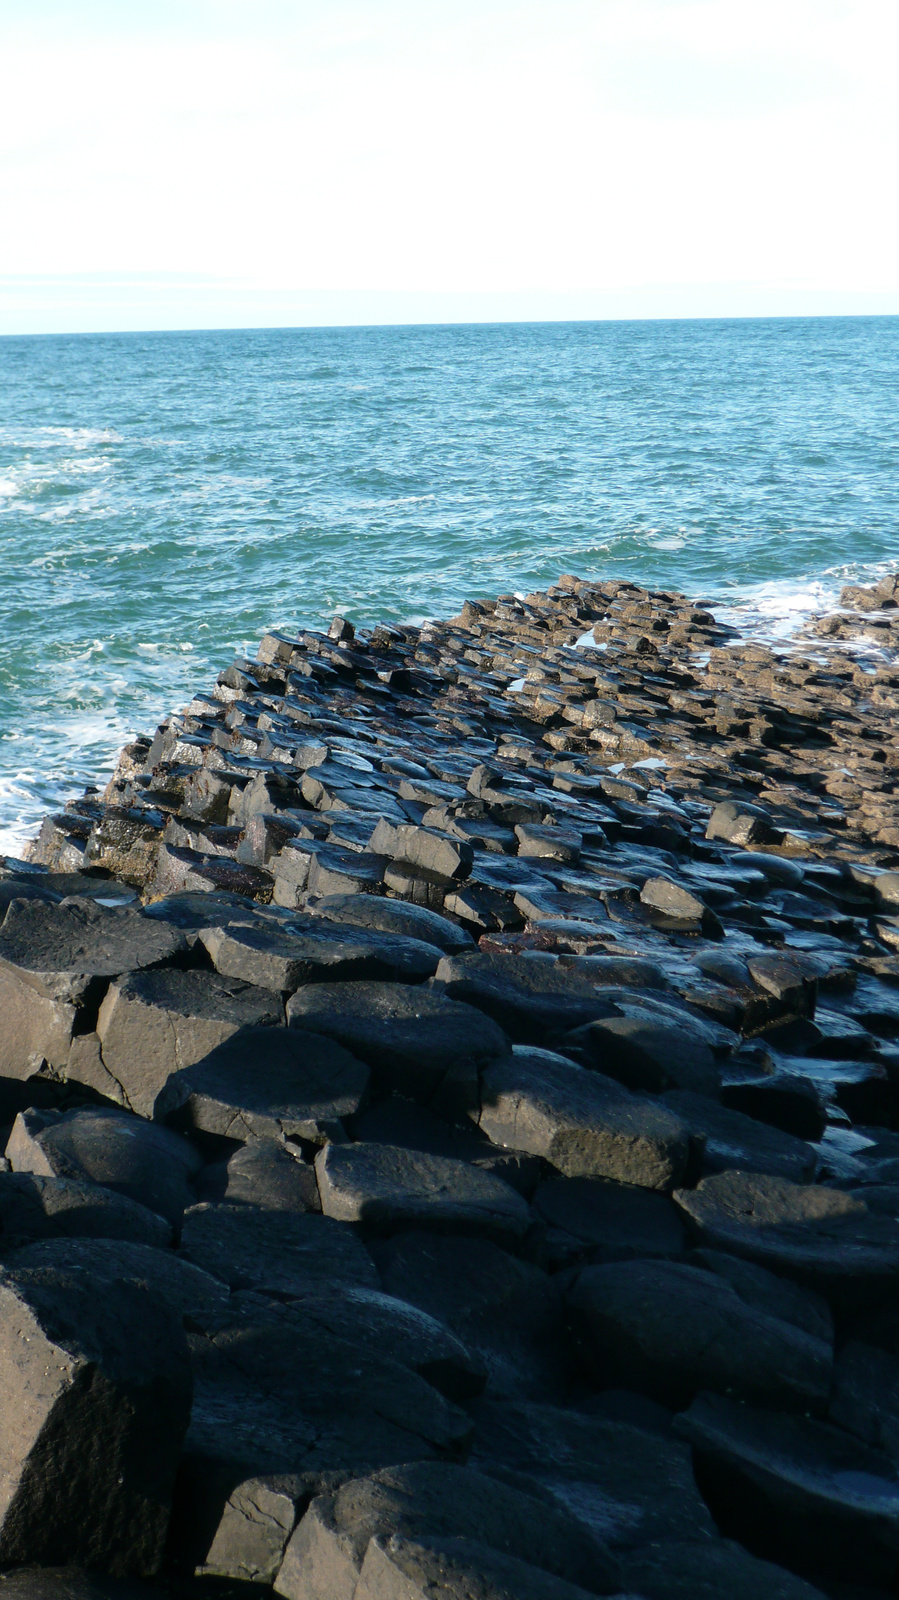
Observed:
{"x":450,"y":1080}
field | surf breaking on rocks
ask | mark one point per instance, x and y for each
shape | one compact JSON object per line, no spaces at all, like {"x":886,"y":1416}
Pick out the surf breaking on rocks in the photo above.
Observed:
{"x":451,"y":1085}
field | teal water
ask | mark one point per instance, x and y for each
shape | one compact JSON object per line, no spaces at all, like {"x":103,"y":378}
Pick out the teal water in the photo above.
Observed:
{"x":165,"y":498}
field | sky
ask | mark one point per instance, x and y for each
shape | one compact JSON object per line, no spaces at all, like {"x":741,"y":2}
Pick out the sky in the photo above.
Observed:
{"x":215,"y":163}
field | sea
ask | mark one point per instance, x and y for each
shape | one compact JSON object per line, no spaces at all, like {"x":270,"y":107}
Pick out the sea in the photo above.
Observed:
{"x":167,"y":498}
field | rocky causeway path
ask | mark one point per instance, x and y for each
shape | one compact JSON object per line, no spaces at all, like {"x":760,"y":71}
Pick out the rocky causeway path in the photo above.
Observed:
{"x":450,"y":1088}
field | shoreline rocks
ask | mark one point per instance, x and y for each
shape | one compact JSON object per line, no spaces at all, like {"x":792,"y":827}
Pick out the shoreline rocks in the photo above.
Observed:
{"x":450,"y":1092}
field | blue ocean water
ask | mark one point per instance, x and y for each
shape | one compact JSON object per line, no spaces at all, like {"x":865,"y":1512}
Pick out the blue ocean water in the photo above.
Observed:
{"x":165,"y":498}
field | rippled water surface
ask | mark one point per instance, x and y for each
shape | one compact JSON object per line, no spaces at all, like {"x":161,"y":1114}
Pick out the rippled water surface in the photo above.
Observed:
{"x":165,"y":498}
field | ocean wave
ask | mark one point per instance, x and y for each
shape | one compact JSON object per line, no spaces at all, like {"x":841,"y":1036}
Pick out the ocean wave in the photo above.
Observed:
{"x":34,"y":438}
{"x":153,"y":500}
{"x":49,"y":491}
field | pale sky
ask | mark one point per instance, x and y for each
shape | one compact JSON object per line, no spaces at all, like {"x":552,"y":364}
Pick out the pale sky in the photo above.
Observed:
{"x":255,"y":162}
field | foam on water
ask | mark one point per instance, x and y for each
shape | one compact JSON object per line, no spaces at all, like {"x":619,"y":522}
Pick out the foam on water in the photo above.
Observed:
{"x":164,"y":499}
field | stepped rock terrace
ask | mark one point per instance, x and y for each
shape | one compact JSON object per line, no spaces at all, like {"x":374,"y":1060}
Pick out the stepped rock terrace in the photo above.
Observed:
{"x":450,"y":1080}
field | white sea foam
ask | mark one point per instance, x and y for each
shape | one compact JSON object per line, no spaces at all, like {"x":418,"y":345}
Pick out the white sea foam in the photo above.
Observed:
{"x":38,"y":438}
{"x":464,"y":481}
{"x":778,"y":609}
{"x":671,"y":541}
{"x":43,"y":489}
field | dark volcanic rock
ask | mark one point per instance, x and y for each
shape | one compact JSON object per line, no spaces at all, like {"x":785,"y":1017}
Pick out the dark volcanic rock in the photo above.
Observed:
{"x":274,"y":1251}
{"x":172,"y":1281}
{"x":152,"y":1024}
{"x":649,"y":1046}
{"x":823,"y":1238}
{"x":416,"y":1042}
{"x":387,"y":1188}
{"x":679,"y":909}
{"x":380,"y":1323}
{"x":121,"y":1152}
{"x":731,"y":1139}
{"x":245,"y":1538}
{"x":328,"y":1549}
{"x":410,"y":1569}
{"x":769,"y":1293}
{"x":865,"y":1398}
{"x":741,"y":825}
{"x":265,"y":1083}
{"x":678,"y":1569}
{"x":785,"y":1100}
{"x":532,"y":996}
{"x":627,"y":1485}
{"x":263,"y":1172}
{"x":680,"y":855}
{"x":506,"y":1312}
{"x":35,"y":1207}
{"x":96,"y":1402}
{"x":607,"y":1221}
{"x":669,"y":1330}
{"x":313,"y":950}
{"x":60,"y":951}
{"x":796,"y":1490}
{"x":273,"y":1395}
{"x":392,"y":916}
{"x":584,"y":1124}
{"x":67,"y":1583}
{"x":396,"y":1121}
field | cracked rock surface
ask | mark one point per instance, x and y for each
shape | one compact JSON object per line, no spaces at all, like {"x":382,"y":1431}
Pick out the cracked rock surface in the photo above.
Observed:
{"x":450,"y":1089}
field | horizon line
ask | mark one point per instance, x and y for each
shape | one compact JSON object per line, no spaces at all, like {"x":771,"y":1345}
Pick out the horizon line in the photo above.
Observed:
{"x":454,"y":322}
